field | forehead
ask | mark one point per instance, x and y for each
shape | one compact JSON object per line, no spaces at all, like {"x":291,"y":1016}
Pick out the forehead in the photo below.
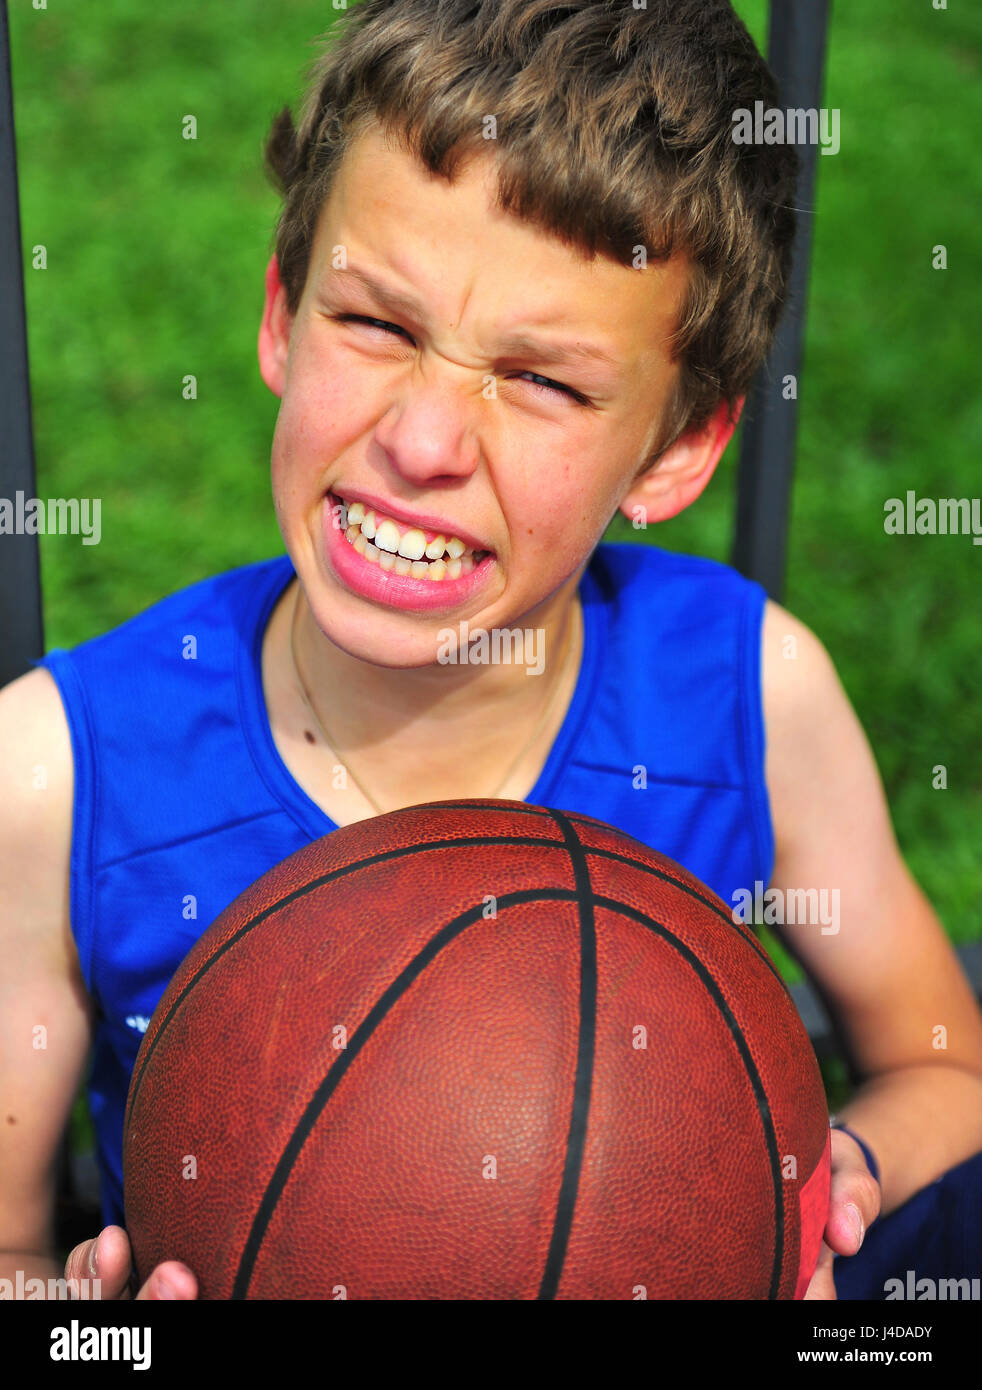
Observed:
{"x":452,"y":246}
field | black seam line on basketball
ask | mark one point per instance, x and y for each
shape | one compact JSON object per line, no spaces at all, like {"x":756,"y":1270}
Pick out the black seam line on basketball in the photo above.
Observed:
{"x":524,"y":808}
{"x":530,"y":841}
{"x":720,"y":912}
{"x":760,"y":1095}
{"x":339,"y":1069}
{"x":583,"y":1081}
{"x":580,"y":818}
{"x":520,"y":808}
{"x":402,"y":850}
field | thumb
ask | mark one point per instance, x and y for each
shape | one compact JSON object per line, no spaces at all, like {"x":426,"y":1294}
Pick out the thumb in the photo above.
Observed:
{"x":105,"y":1258}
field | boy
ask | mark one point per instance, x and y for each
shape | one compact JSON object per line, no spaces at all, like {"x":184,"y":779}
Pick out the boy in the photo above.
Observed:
{"x":523,"y":278}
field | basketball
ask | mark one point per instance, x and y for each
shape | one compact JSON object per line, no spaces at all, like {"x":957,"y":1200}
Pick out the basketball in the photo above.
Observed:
{"x":478,"y":1050}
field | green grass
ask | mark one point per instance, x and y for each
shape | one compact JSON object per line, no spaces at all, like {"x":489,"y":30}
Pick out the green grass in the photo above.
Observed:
{"x":156,"y":248}
{"x":889,"y":402}
{"x":81,"y":1134}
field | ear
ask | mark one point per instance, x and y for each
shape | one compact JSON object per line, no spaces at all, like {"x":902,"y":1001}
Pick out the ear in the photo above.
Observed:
{"x":274,"y":331}
{"x":679,"y":475}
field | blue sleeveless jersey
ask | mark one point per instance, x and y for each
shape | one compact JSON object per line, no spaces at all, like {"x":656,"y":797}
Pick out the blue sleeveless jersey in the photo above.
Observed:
{"x":182,"y":800}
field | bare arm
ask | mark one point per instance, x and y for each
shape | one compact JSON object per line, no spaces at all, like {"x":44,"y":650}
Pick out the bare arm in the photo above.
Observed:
{"x":889,"y":974}
{"x":44,"y":1008}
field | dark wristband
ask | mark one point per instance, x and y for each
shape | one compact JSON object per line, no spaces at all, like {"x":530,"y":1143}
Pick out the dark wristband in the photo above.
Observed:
{"x":871,"y":1163}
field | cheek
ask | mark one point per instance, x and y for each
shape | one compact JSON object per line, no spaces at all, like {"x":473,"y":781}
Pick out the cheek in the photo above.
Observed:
{"x":560,"y":526}
{"x":326,"y":407}
{"x":543,"y":549}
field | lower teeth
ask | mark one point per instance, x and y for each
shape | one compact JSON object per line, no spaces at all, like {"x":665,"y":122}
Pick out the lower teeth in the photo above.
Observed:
{"x":433,"y":570}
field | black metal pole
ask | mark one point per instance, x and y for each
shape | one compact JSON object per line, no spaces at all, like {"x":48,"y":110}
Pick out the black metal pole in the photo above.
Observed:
{"x":21,"y":627}
{"x":796,"y":55}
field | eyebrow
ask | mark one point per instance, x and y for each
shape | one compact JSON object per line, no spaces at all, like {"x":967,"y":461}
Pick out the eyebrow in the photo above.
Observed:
{"x":523,"y":344}
{"x":389,"y":298}
{"x":515,"y":344}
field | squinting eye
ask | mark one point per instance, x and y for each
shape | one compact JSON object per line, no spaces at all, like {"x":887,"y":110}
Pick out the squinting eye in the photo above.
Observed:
{"x":374,"y":323}
{"x":544,"y":383}
{"x":541,"y":383}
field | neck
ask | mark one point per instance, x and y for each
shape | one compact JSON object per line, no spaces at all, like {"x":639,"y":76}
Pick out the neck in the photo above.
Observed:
{"x":397,"y":722}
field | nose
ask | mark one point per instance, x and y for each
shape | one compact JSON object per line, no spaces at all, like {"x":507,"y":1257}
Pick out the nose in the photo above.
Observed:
{"x":428,"y":433}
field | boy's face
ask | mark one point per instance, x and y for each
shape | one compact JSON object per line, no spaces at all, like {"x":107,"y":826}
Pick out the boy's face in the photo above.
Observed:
{"x":439,"y":415}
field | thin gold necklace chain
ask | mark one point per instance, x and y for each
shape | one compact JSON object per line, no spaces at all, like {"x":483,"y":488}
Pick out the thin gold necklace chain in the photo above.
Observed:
{"x":571,"y":645}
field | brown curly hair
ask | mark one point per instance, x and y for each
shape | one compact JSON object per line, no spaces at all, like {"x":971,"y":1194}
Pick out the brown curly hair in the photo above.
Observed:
{"x":614,"y":131}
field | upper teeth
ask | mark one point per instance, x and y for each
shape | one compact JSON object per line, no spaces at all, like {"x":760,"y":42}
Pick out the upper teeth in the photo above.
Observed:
{"x":411,"y":543}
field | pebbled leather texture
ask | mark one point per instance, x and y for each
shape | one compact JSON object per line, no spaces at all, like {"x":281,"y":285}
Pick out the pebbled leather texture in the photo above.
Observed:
{"x":477,"y":1050}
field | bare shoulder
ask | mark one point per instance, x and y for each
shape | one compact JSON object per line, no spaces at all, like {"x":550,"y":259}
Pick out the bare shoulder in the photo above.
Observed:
{"x":36,"y":795}
{"x":31,"y":708}
{"x":816,"y":747}
{"x":45,"y":1012}
{"x":796,"y":668}
{"x":822,"y":776}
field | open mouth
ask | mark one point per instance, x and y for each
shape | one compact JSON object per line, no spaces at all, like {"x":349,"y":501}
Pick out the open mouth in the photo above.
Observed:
{"x":404,"y":550}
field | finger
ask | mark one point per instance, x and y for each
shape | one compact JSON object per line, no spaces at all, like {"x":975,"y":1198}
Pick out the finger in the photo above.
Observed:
{"x":170,"y":1280}
{"x":79,"y":1265}
{"x":854,"y":1204}
{"x":854,"y":1196}
{"x":106,"y":1258}
{"x":822,"y":1285}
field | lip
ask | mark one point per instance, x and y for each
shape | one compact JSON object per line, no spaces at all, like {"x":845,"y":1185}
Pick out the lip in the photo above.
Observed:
{"x":427,"y":523}
{"x":393,"y":590}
